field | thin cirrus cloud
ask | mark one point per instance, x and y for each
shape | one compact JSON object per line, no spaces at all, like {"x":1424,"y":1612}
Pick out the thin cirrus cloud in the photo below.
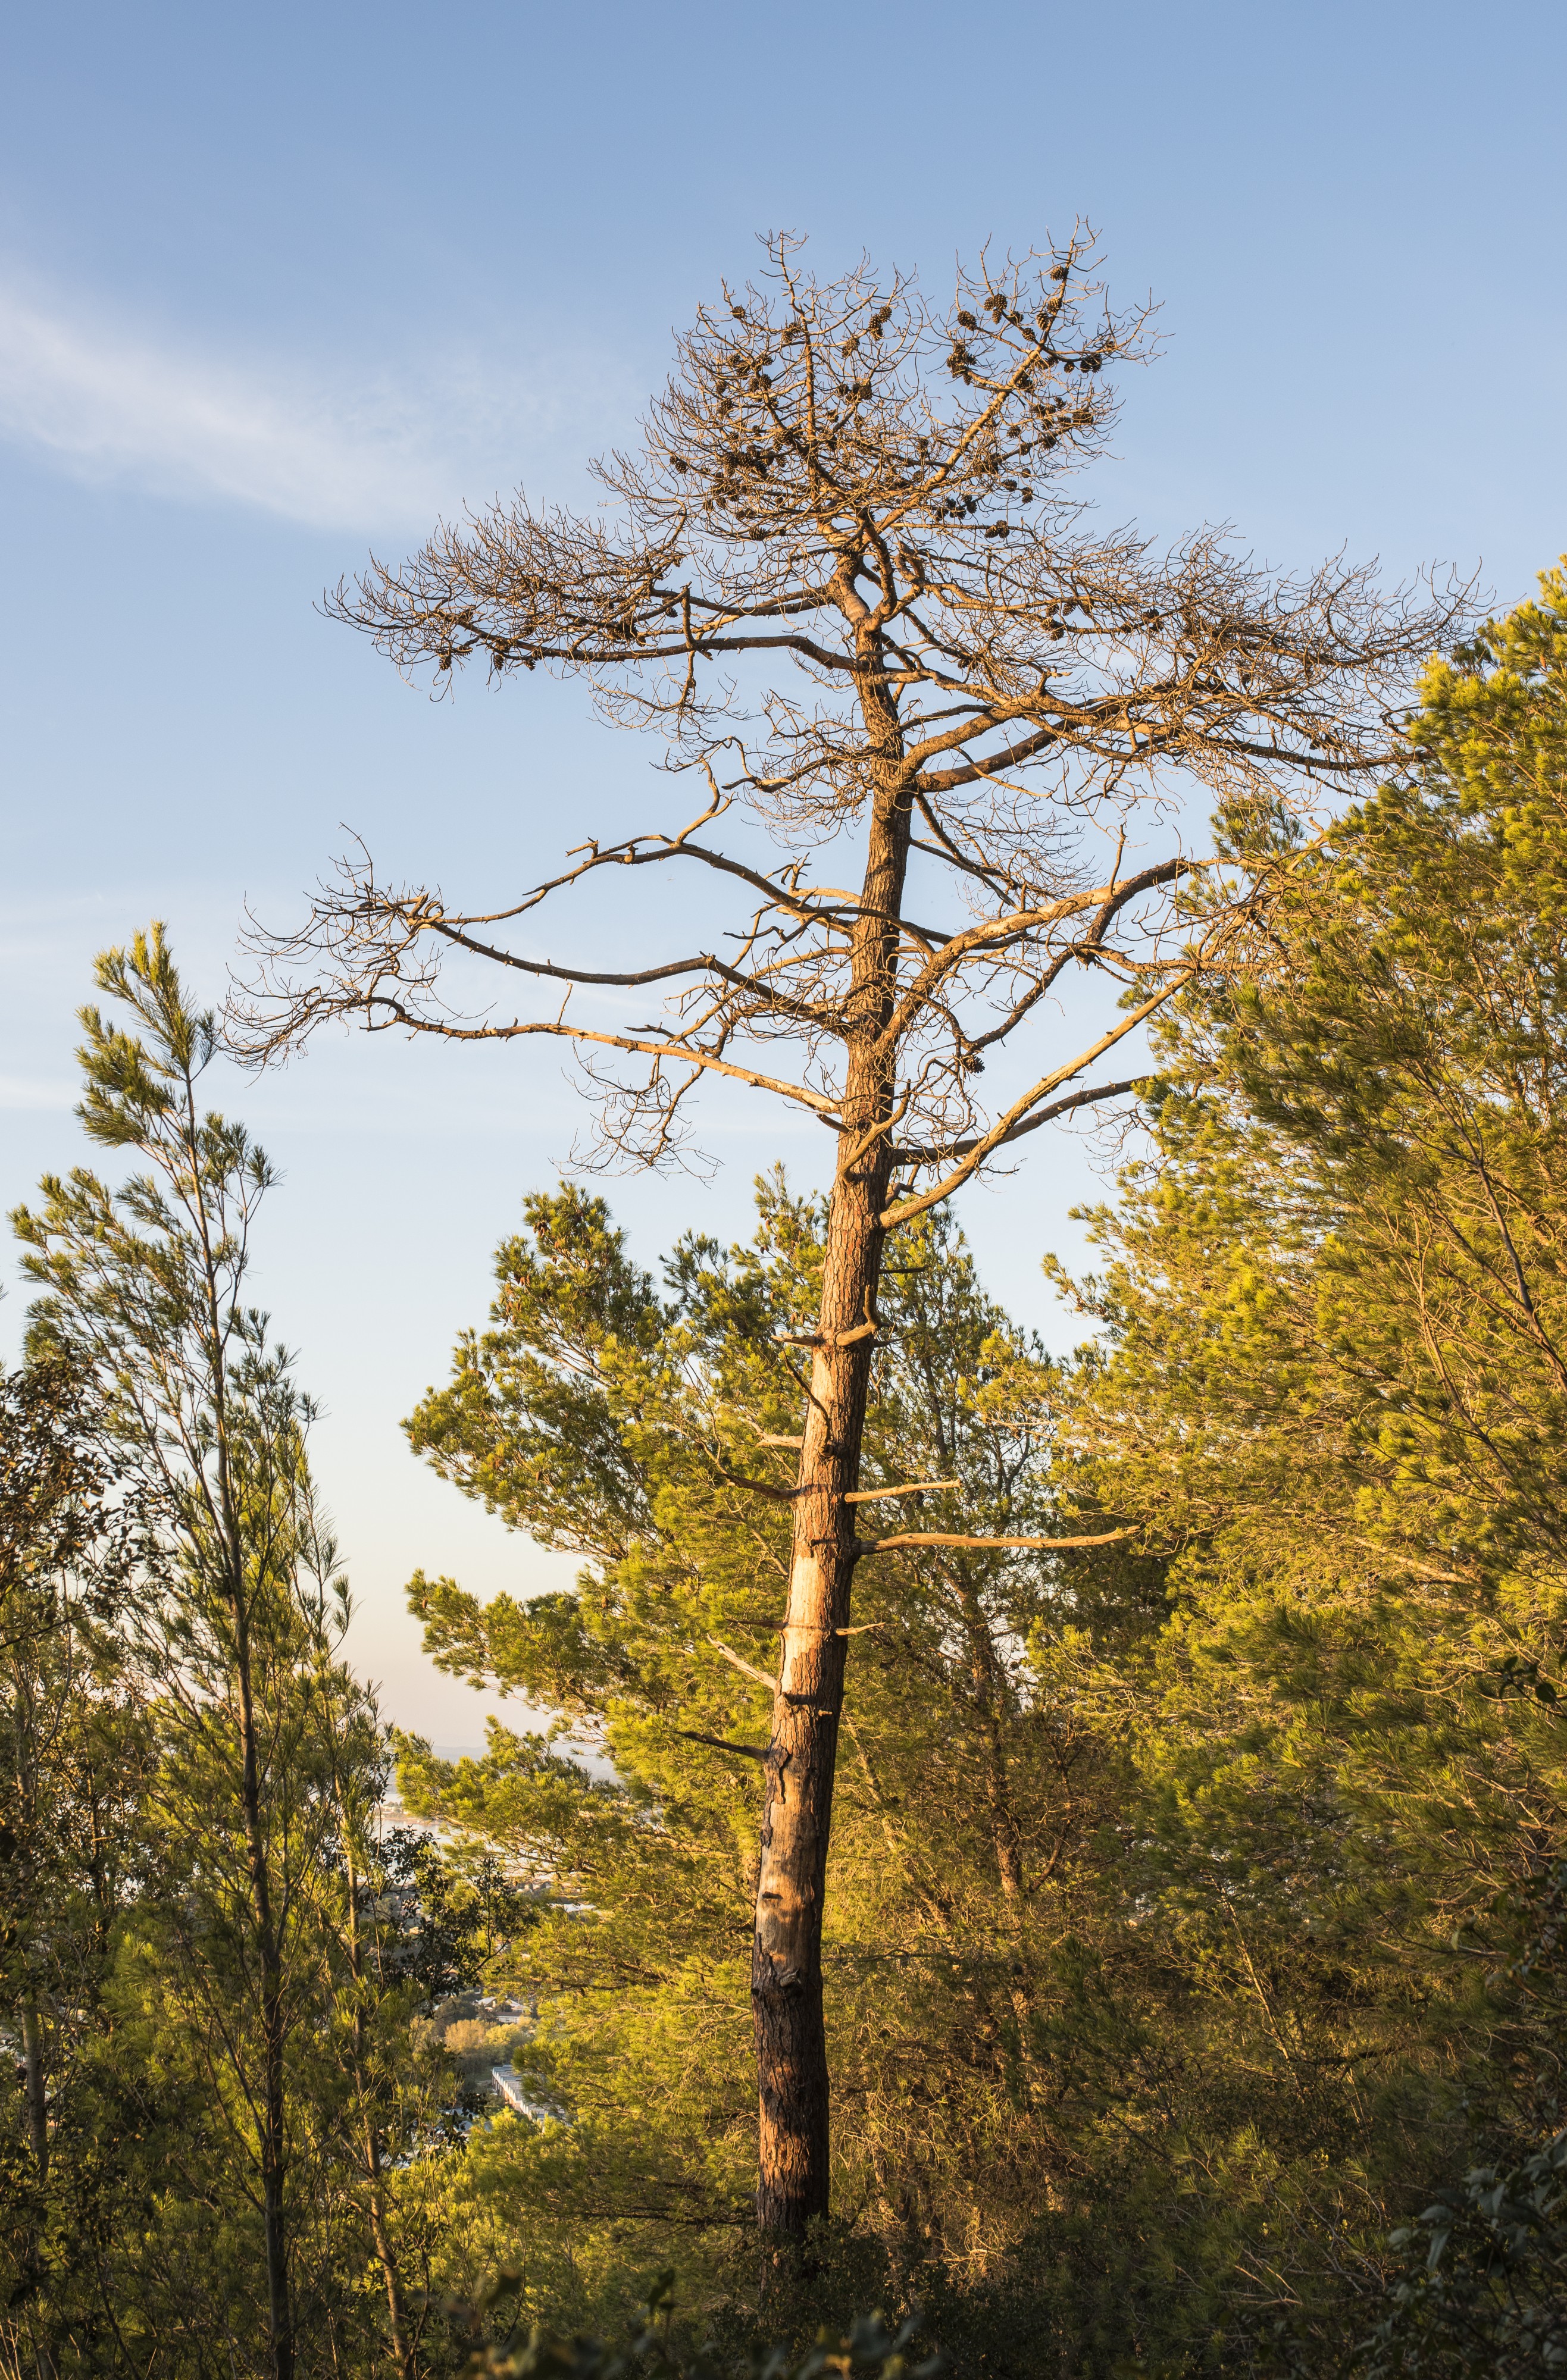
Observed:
{"x":106,"y":404}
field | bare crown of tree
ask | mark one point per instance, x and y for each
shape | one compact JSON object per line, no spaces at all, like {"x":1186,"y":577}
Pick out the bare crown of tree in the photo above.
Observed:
{"x":846,"y":578}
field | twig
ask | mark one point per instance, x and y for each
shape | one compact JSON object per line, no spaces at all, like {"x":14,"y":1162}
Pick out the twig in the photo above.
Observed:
{"x":763,"y":1753}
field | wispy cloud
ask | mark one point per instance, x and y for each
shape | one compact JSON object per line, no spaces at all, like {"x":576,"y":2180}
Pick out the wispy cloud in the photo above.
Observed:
{"x":105,"y":403}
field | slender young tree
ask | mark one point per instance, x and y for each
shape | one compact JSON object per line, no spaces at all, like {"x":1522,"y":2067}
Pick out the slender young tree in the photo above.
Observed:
{"x":143,"y":1296}
{"x":846,"y":578}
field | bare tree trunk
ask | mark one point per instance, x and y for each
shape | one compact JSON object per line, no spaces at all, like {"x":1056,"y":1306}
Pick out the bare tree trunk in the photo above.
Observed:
{"x":37,"y":2088}
{"x":787,"y":1993}
{"x":797,"y":1816}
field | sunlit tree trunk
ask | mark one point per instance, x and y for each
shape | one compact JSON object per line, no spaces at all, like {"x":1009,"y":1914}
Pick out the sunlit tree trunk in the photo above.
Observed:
{"x":798,"y":1806}
{"x":786,"y":1984}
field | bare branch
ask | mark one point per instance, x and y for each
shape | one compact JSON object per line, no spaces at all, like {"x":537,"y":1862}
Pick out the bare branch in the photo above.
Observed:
{"x":990,"y":1545}
{"x":1090,"y":1095}
{"x":744,"y":1751}
{"x":1006,"y":1127}
{"x":747,"y":1668}
{"x":914,"y":1487}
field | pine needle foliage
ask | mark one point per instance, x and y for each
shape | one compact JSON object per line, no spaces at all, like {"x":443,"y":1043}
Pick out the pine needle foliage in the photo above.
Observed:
{"x":629,"y":1425}
{"x":1331,"y":1387}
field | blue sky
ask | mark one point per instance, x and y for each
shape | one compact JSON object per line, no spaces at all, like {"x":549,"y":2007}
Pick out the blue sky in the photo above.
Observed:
{"x":274,"y":283}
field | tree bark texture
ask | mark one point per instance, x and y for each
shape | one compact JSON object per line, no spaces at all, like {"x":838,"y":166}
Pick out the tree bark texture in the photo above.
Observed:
{"x":787,"y":1996}
{"x":786,"y":1982}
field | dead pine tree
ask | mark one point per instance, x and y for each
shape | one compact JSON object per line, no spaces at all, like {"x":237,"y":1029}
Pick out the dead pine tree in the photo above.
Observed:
{"x":843,"y":577}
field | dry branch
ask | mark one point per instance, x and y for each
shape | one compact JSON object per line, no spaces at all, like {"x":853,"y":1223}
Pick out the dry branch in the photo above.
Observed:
{"x":993,"y":1544}
{"x":914,"y":1487}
